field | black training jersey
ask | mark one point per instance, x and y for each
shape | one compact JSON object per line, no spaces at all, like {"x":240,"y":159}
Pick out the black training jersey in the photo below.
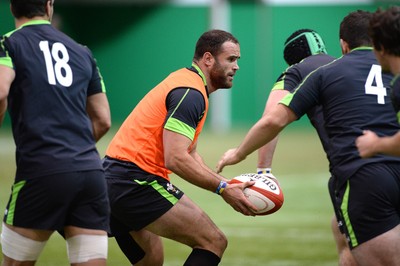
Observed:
{"x":47,"y":100}
{"x":294,"y":74}
{"x":395,"y":94}
{"x":354,"y":96}
{"x":186,"y":105}
{"x":291,"y":78}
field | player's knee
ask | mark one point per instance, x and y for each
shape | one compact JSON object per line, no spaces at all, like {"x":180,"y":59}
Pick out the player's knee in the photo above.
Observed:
{"x":152,"y":258}
{"x":157,"y":259}
{"x":223,"y":241}
{"x":212,"y":239}
{"x":18,"y":247}
{"x":83,"y":248}
{"x":154,"y":253}
{"x":218,"y":241}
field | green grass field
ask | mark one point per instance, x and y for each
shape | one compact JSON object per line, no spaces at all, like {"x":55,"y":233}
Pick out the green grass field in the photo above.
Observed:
{"x":298,"y":234}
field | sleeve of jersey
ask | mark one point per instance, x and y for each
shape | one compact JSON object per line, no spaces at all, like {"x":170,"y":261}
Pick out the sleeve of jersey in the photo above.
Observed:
{"x":305,"y":96}
{"x":185,"y":107}
{"x":5,"y":59}
{"x":96,"y":84}
{"x":288,"y":80}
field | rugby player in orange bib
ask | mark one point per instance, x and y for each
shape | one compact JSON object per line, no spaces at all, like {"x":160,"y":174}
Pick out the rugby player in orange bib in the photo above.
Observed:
{"x":160,"y":137}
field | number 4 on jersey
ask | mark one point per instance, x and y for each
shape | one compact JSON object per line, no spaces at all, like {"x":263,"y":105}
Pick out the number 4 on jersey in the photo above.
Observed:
{"x":376,"y":88}
{"x":55,"y":71}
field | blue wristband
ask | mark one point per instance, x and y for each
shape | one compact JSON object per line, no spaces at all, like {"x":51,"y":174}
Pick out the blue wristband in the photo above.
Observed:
{"x":222,"y":185}
{"x":261,"y":171}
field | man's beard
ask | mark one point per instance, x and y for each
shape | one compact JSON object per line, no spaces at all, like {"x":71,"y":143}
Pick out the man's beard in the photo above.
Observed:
{"x":218,"y":77}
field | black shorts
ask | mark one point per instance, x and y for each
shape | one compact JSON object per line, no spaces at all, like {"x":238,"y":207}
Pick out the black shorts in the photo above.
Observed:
{"x":55,"y":201}
{"x":332,"y":192}
{"x":137,"y":198}
{"x":368,"y":204}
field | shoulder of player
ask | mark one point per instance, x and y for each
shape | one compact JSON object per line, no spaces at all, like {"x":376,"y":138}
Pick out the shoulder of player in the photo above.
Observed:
{"x":362,"y":53}
{"x":188,"y":100}
{"x":186,"y":93}
{"x":307,"y":65}
{"x":316,"y":61}
{"x":28,"y":31}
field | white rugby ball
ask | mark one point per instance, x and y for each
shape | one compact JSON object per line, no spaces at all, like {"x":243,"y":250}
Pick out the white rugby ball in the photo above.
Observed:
{"x":265,"y":194}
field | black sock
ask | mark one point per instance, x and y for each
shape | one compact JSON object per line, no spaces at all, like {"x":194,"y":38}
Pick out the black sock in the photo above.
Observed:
{"x":202,"y":257}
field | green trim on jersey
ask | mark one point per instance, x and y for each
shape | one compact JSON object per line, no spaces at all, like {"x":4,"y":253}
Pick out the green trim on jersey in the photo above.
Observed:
{"x":394,"y":79}
{"x":103,"y":86}
{"x":160,"y":189}
{"x":36,"y":22}
{"x":287,"y":99}
{"x":200,"y":73}
{"x":177,"y":126}
{"x":362,"y":48}
{"x":11,"y":208}
{"x":345,"y":212}
{"x":278,"y":85}
{"x":32,"y":22}
{"x":6,"y":61}
{"x":398,"y":117}
{"x":8,"y":34}
{"x":392,"y":84}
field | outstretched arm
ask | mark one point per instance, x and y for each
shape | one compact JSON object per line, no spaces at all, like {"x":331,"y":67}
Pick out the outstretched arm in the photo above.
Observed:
{"x":266,"y":152}
{"x":265,"y":130}
{"x":191,"y":167}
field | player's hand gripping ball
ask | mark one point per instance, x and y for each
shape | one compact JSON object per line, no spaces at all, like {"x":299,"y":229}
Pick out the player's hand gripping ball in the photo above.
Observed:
{"x":265,"y":194}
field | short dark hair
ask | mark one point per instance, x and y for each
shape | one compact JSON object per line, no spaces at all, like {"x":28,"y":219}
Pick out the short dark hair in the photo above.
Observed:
{"x":28,"y":8}
{"x":301,"y":44}
{"x":354,"y":29}
{"x":384,"y":30}
{"x":211,"y":41}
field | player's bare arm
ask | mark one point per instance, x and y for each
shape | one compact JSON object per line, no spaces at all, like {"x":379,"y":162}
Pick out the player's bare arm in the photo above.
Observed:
{"x":7,"y":76}
{"x":200,"y":160}
{"x":265,"y":130}
{"x":266,"y":152}
{"x":182,"y":163}
{"x":197,"y":157}
{"x":98,"y":110}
